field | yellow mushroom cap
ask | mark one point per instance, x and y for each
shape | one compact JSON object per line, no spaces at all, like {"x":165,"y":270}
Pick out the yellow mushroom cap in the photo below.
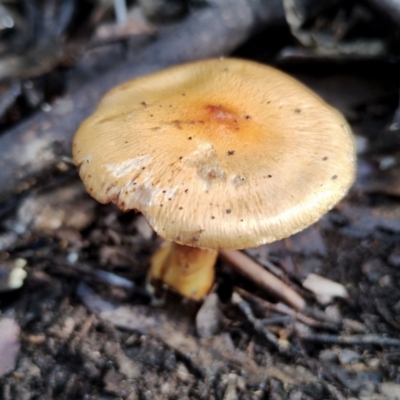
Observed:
{"x":222,"y":153}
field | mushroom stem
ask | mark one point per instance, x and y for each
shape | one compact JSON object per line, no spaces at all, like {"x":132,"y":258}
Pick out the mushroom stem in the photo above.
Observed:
{"x":188,"y":270}
{"x":251,"y":270}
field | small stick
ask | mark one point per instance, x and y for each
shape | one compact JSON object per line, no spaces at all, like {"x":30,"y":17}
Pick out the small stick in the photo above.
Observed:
{"x":257,"y":325}
{"x":120,"y":11}
{"x":365,"y":340}
{"x":285,"y":310}
{"x":268,"y":265}
{"x":255,"y":272}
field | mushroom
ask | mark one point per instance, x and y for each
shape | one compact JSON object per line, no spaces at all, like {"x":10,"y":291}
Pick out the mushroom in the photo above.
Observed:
{"x":217,"y":154}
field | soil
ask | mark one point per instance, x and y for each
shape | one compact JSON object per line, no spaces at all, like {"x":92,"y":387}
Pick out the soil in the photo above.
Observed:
{"x":83,"y":325}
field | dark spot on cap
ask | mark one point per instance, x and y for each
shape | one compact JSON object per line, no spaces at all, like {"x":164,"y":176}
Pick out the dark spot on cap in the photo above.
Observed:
{"x":177,"y":123}
{"x":324,"y":158}
{"x":231,"y":152}
{"x":180,"y":158}
{"x":212,"y":175}
{"x":212,"y":217}
{"x":269,"y":176}
{"x":143,"y":167}
{"x":334,"y":177}
{"x":297,"y":110}
{"x":241,"y":220}
{"x":161,"y":205}
{"x":190,"y":138}
{"x":181,"y":208}
{"x":164,"y":191}
{"x":248,"y":117}
{"x":170,"y":198}
{"x":186,"y":190}
{"x":183,"y":94}
{"x":228,"y":211}
{"x":143,"y":103}
{"x":151,"y":115}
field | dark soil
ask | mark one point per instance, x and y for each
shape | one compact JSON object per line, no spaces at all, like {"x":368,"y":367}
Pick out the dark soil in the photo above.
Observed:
{"x":76,"y":330}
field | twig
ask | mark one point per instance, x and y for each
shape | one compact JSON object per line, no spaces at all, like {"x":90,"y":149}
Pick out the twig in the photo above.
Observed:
{"x":277,"y":320}
{"x":363,"y":340}
{"x":268,"y":264}
{"x":98,"y":275}
{"x":257,"y":324}
{"x":251,"y":270}
{"x":284,"y":309}
{"x":334,"y":392}
{"x":120,"y":11}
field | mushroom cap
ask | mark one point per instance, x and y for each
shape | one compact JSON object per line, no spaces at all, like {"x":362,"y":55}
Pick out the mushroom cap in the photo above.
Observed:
{"x":222,"y":153}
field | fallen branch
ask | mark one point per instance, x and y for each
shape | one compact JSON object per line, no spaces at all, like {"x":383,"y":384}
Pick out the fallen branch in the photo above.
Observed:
{"x":245,"y":266}
{"x":36,"y":146}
